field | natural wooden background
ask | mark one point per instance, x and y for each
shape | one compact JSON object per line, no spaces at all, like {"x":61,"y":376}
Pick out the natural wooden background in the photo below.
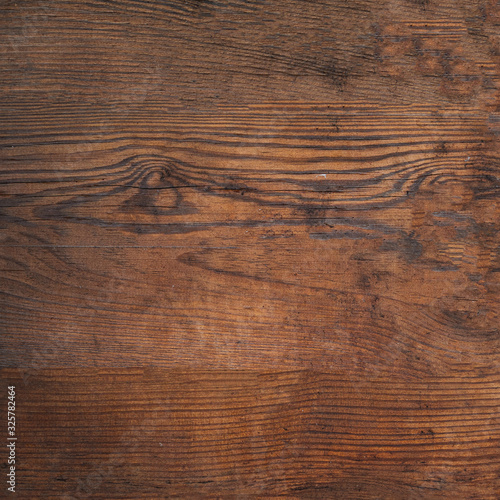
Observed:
{"x":249,"y":248}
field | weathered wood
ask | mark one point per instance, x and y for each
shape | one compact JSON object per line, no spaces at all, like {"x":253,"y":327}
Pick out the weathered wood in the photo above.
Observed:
{"x":248,"y":434}
{"x":291,"y":207}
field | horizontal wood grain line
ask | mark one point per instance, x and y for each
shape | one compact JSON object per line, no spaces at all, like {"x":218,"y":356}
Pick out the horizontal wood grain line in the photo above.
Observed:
{"x":353,"y":112}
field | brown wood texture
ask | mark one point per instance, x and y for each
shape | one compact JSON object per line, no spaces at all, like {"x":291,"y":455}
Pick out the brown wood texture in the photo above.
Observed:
{"x":249,"y":249}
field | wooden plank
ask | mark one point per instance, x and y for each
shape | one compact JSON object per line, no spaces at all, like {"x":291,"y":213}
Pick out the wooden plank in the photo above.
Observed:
{"x":256,"y":235}
{"x":249,"y":434}
{"x":201,"y":53}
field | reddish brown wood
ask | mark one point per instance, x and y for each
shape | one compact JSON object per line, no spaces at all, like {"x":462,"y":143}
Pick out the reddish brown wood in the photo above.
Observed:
{"x":149,"y":433}
{"x":266,"y":230}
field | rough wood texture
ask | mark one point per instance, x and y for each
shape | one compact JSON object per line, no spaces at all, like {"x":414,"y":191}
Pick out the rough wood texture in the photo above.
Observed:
{"x":263,"y":234}
{"x":240,"y":434}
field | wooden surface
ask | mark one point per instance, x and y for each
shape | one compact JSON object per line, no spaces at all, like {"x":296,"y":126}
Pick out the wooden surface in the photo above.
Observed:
{"x":249,"y":249}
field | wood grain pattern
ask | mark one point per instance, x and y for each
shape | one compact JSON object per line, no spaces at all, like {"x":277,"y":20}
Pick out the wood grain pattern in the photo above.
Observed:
{"x":265,"y":232}
{"x":240,"y":434}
